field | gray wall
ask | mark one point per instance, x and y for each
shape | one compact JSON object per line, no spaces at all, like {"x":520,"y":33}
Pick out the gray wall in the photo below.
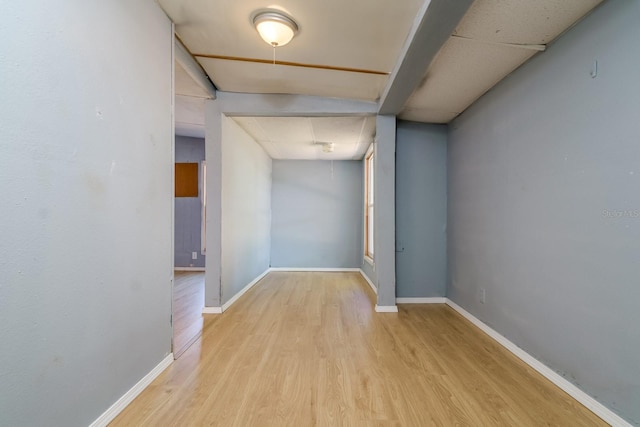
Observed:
{"x":86,"y":183}
{"x":544,"y":202}
{"x":188,"y":210}
{"x":317,"y":214}
{"x":246,"y":209}
{"x":421,"y":210}
{"x":384,"y":224}
{"x":369,"y":270}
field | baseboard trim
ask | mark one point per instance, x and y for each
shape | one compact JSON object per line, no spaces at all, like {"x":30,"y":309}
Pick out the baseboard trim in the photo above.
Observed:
{"x":212,"y":310}
{"x":386,"y":308}
{"x":430,"y":300}
{"x":326,"y":270}
{"x":571,"y":389}
{"x":188,"y":269}
{"x":115,"y":409}
{"x":235,"y":298}
{"x":366,"y":278}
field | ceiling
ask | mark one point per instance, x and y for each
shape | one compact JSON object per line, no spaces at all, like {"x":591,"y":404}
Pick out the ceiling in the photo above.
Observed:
{"x":354,"y":49}
{"x":189,"y":104}
{"x":303,"y":137}
{"x":493,"y":39}
{"x":359,"y":34}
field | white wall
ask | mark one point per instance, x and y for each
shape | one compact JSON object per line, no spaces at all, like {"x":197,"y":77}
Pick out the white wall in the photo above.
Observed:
{"x":246,"y":209}
{"x":317,"y":214}
{"x":544,"y":207}
{"x":86,"y":183}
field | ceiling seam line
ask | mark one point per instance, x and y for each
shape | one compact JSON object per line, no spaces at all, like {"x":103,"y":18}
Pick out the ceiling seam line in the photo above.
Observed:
{"x":536,"y":47}
{"x":292,"y":64}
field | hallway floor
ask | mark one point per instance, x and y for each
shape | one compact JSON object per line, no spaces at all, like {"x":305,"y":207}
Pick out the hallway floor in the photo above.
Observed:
{"x":188,"y":300}
{"x":306,"y":349}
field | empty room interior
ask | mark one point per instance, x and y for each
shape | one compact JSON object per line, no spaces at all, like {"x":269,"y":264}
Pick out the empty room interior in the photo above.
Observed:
{"x":329,"y":212}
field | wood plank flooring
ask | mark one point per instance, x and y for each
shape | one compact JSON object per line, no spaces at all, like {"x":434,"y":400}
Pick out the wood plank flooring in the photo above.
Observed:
{"x":307,"y":349}
{"x":188,"y":301}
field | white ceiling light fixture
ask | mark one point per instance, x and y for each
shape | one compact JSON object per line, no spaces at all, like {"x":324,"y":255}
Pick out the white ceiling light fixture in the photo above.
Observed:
{"x":275,"y":28}
{"x":327,"y":147}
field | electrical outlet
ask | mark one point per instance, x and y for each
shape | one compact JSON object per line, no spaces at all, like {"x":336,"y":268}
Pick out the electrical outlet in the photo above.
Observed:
{"x":194,"y":255}
{"x":483,"y":295}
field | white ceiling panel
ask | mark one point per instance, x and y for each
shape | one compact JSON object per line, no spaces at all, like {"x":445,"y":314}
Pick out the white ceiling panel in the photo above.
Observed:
{"x":252,"y":127}
{"x":488,"y":44}
{"x":188,"y":129}
{"x":184,"y":84}
{"x":189,"y":109}
{"x":471,"y":68}
{"x":343,"y":129}
{"x":286,"y":130}
{"x":427,"y":115}
{"x":356,"y":33}
{"x":298,"y":137}
{"x":238,"y":76}
{"x":189,"y":116}
{"x":522,"y":21}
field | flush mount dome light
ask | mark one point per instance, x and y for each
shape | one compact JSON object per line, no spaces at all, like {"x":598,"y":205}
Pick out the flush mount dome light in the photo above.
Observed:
{"x":328,"y":147}
{"x":275,"y":28}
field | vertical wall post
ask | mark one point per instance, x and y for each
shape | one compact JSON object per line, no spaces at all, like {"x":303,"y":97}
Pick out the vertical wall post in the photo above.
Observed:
{"x":384,"y":212}
{"x":213,"y":155}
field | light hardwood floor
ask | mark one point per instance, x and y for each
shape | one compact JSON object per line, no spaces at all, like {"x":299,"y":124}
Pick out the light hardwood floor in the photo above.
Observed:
{"x":306,"y":349}
{"x":188,"y":300}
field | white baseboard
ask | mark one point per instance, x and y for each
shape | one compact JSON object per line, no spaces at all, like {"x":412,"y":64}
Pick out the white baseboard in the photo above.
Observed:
{"x":326,"y":270}
{"x":431,"y":300}
{"x":366,"y":278}
{"x":212,"y":310}
{"x":386,"y":308}
{"x":572,"y":390}
{"x":188,"y":269}
{"x":109,"y":415}
{"x":235,"y":298}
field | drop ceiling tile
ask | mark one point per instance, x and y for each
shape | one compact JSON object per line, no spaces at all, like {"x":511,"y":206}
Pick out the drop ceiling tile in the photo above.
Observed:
{"x":286,"y":129}
{"x":314,"y":152}
{"x":185,"y":85}
{"x":189,"y":129}
{"x":252,"y":127}
{"x":338,"y":129}
{"x":238,"y":76}
{"x":522,"y":21}
{"x":356,"y":33}
{"x":189,"y":109}
{"x":272,"y":149}
{"x":427,"y":115}
{"x":298,"y":151}
{"x":463,"y":71}
{"x":293,"y":137}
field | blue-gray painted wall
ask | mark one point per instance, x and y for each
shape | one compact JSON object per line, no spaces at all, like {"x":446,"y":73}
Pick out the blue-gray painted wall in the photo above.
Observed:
{"x":317,"y":209}
{"x":421,"y":210}
{"x":384,"y":210}
{"x":544,"y":207}
{"x":86,"y":227}
{"x":188,"y":210}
